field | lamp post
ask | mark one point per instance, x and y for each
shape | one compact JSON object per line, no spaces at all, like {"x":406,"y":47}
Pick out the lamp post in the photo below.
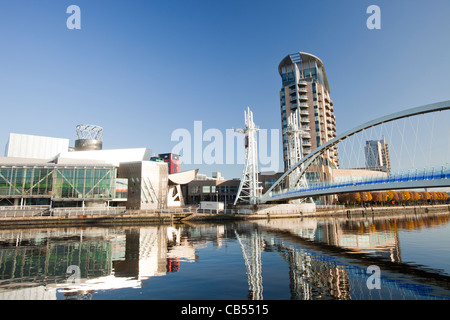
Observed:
{"x":217,"y":201}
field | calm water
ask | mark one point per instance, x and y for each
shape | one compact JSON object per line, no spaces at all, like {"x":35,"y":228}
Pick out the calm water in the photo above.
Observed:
{"x":277,"y":259}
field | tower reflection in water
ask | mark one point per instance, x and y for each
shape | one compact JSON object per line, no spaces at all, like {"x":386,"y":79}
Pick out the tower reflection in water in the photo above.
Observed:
{"x":326,"y":259}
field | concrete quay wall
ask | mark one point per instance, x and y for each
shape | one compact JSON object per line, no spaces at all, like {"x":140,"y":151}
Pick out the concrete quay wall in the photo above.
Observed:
{"x":136,"y":217}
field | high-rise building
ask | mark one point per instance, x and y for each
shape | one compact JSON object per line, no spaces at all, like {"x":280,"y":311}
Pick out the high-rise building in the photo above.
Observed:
{"x":305,"y":90}
{"x":377,"y":155}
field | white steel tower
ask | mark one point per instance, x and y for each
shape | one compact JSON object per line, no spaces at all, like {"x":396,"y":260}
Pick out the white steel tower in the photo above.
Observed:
{"x":294,"y":134}
{"x":249,"y":189}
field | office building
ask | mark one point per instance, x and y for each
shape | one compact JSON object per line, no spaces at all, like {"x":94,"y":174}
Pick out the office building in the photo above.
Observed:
{"x":377,"y":155}
{"x":217,"y":188}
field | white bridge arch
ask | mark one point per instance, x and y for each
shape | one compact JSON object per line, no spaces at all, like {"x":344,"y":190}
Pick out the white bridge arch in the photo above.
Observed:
{"x":306,"y":161}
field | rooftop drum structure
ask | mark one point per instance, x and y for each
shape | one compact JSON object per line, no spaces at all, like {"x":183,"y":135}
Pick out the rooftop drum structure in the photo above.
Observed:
{"x":89,"y":137}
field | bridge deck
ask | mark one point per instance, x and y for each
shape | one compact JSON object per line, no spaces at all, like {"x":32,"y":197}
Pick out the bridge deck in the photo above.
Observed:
{"x":424,"y":179}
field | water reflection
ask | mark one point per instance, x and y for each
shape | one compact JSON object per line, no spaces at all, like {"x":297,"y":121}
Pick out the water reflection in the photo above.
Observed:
{"x":325,"y":259}
{"x":329,"y":258}
{"x":34,"y":263}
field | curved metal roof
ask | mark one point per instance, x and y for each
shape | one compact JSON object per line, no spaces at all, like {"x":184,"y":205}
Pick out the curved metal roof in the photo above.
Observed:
{"x":305,"y":57}
{"x":182,"y":177}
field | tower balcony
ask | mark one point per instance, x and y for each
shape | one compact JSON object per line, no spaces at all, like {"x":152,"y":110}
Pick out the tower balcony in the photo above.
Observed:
{"x":303,"y":97}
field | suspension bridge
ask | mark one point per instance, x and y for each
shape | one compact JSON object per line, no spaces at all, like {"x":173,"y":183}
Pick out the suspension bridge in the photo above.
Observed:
{"x":418,"y":139}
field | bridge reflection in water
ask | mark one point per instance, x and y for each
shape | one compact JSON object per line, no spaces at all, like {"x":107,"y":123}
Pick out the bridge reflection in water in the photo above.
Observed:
{"x":325,"y":259}
{"x":329,"y":260}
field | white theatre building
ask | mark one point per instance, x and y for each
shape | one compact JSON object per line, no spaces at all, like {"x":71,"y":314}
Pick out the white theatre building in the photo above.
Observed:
{"x":46,"y":171}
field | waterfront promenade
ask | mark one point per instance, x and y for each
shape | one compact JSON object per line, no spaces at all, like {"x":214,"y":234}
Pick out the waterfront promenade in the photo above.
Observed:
{"x":112,"y":216}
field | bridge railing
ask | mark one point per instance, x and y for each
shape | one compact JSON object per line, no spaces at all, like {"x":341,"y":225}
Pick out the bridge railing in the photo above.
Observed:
{"x":432,"y":173}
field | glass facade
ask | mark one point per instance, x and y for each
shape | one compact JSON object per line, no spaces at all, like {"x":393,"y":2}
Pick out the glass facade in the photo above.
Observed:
{"x":28,"y":181}
{"x":121,"y":188}
{"x":58,"y":182}
{"x":84,"y":183}
{"x":308,"y":70}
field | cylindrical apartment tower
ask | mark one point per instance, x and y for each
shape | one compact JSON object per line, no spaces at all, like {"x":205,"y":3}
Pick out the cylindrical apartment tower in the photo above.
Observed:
{"x":89,"y":137}
{"x":305,"y":90}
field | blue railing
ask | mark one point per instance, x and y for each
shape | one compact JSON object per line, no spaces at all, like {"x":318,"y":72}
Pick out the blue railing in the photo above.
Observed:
{"x":434,"y":173}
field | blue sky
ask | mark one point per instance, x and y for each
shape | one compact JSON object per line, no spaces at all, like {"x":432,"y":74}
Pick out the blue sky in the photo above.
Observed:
{"x":141,"y":69}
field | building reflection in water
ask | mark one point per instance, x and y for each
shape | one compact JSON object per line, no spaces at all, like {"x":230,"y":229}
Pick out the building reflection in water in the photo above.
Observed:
{"x":313,"y":249}
{"x":34,"y":262}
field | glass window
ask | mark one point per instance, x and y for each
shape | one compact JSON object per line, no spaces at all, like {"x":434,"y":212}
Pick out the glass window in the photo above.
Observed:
{"x":194,"y":189}
{"x":269,"y":182}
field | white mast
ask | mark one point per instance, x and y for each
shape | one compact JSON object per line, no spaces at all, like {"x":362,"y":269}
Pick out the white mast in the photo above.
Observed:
{"x":249,"y":189}
{"x":295,"y":150}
